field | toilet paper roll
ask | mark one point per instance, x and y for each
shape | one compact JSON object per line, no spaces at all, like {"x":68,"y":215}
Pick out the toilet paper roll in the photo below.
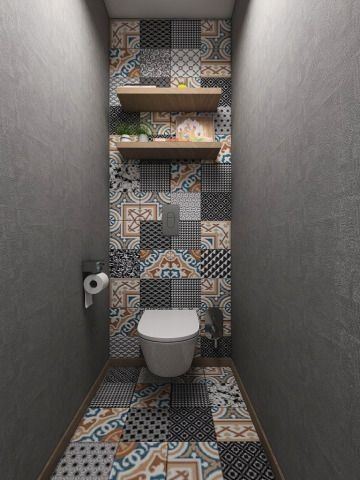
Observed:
{"x":94,"y":284}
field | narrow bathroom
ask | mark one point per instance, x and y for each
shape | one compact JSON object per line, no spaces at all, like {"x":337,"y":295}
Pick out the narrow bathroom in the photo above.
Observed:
{"x":179,"y":213}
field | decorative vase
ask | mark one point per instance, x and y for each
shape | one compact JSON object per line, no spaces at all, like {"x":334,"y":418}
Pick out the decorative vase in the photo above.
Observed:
{"x":143,"y":137}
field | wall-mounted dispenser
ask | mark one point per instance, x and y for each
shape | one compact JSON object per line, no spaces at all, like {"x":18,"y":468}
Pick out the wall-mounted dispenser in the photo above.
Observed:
{"x":95,"y":280}
{"x":214,"y":321}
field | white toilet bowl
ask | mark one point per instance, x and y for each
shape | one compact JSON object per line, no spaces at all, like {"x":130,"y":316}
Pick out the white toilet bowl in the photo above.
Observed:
{"x":168,"y":339}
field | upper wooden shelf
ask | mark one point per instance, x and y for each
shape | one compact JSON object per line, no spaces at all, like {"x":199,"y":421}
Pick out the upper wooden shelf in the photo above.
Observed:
{"x":138,"y":99}
{"x":169,"y":150}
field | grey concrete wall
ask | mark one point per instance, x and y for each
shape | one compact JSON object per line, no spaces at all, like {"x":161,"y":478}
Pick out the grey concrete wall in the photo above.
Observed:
{"x":296,"y":228}
{"x":53,"y":214}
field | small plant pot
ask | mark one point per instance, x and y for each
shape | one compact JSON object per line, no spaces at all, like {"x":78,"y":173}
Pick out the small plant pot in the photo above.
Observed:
{"x":143,"y":137}
{"x":134,"y":138}
{"x":125,"y":138}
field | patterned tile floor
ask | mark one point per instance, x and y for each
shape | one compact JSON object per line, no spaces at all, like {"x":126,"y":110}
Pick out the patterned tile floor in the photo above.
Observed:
{"x":139,"y":426}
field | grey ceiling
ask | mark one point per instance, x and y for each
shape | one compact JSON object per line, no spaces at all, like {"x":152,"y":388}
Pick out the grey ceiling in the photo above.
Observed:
{"x":170,"y":8}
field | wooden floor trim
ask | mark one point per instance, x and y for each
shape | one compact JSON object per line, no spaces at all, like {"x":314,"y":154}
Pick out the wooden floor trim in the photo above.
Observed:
{"x":58,"y":451}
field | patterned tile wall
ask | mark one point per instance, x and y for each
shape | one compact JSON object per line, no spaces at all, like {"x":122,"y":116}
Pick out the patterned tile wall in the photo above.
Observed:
{"x":193,"y":269}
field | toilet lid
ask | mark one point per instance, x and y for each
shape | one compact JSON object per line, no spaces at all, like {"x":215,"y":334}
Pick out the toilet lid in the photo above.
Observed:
{"x":168,"y":325}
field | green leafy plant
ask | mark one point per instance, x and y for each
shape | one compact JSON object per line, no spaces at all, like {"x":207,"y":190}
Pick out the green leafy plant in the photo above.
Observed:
{"x":126,"y":129}
{"x":144,"y":129}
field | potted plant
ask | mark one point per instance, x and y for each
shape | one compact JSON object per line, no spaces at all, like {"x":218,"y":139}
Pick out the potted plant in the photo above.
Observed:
{"x":144,"y":132}
{"x":125,"y":131}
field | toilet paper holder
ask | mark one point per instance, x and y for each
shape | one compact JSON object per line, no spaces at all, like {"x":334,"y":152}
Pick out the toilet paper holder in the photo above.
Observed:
{"x":92,"y":266}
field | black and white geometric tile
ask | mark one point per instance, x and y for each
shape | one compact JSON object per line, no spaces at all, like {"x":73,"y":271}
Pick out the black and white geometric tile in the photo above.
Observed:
{"x":208,"y":347}
{"x":124,"y":263}
{"x":225,"y":394}
{"x":188,"y":424}
{"x":154,"y":177}
{"x":146,"y":424}
{"x":86,"y":460}
{"x":155,"y":294}
{"x":186,"y":34}
{"x":112,"y":395}
{"x":122,"y":375}
{"x":155,"y":62}
{"x":185,"y":63}
{"x":124,"y":175}
{"x":127,"y":347}
{"x":155,"y":34}
{"x":190,"y":205}
{"x":117,"y":115}
{"x":215,"y":206}
{"x":224,"y":84}
{"x":189,"y":395}
{"x":186,"y":293}
{"x":222,"y":121}
{"x":189,"y":235}
{"x":215,"y":263}
{"x":164,"y":82}
{"x":245,"y":460}
{"x":216,"y":178}
{"x":151,"y":236}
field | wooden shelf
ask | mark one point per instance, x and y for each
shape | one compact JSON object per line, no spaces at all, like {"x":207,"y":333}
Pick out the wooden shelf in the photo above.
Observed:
{"x":139,"y":99}
{"x":169,"y":150}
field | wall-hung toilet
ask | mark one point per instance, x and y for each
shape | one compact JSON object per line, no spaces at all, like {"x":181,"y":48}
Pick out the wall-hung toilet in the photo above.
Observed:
{"x":168,"y":339}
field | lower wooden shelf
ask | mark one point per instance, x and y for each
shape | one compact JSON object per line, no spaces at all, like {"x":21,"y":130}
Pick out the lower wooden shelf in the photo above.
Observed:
{"x":169,"y":150}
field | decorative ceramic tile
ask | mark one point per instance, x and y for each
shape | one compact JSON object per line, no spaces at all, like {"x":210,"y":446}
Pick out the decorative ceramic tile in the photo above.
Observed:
{"x":125,"y":293}
{"x":215,"y":235}
{"x":124,"y":175}
{"x":122,"y":375}
{"x":216,"y":48}
{"x":155,"y":62}
{"x":224,"y":155}
{"x":245,"y":460}
{"x":125,"y":65}
{"x":155,"y":294}
{"x":146,"y":425}
{"x":139,"y":460}
{"x":151,"y":395}
{"x":190,"y":205}
{"x":216,"y":292}
{"x":117,"y":116}
{"x":194,"y":375}
{"x":164,"y":82}
{"x":124,"y":263}
{"x":189,"y":236}
{"x":222,"y":121}
{"x":189,"y":395}
{"x":215,"y":206}
{"x":152,"y":236}
{"x":216,"y":178}
{"x":185,"y":63}
{"x":208,"y":348}
{"x":101,"y":425}
{"x":86,"y":460}
{"x":124,"y":207}
{"x":125,"y":322}
{"x":169,"y":263}
{"x":193,"y":460}
{"x":190,"y":82}
{"x":125,"y":235}
{"x":191,"y":424}
{"x":221,"y":375}
{"x":185,"y":293}
{"x":220,"y":412}
{"x":235,"y":430}
{"x":185,"y":177}
{"x":155,"y":34}
{"x":215,"y":263}
{"x":125,"y":34}
{"x":113,"y":395}
{"x":155,"y":177}
{"x":124,"y":347}
{"x":151,"y":205}
{"x":159,"y":124}
{"x":224,"y":84}
{"x":227,"y":395}
{"x":185,"y":33}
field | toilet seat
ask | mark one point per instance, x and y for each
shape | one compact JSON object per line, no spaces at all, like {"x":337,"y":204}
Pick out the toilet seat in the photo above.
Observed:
{"x":168,"y":325}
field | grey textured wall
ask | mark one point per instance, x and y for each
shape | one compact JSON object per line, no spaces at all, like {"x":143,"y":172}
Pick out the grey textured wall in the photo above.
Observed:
{"x":53,"y":214}
{"x":296,"y":228}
